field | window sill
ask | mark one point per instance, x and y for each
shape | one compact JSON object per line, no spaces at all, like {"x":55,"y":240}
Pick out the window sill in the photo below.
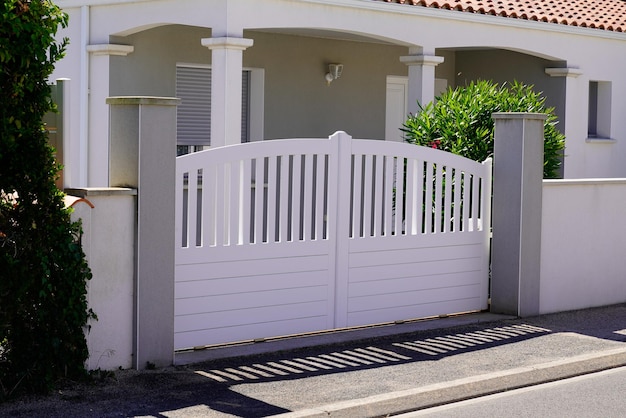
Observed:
{"x":600,"y":140}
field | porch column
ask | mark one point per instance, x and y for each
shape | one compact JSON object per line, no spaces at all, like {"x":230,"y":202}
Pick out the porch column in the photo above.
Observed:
{"x":226,"y":68}
{"x":574,"y":116}
{"x":143,"y":156}
{"x":97,"y":152}
{"x":516,"y":220}
{"x":421,"y":79}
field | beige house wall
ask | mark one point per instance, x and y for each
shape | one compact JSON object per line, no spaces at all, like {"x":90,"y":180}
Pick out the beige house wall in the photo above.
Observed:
{"x":298,"y":103}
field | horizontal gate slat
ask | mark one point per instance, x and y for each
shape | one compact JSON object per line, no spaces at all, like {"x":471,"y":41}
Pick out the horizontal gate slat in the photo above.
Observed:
{"x":416,"y":241}
{"x":413,"y":255}
{"x":414,"y":284}
{"x":247,"y":332}
{"x":244,"y":300}
{"x":395,"y":300}
{"x":427,"y":268}
{"x":259,"y":315}
{"x":251,"y":283}
{"x":259,"y":267}
{"x":261,"y":251}
{"x":416,"y":310}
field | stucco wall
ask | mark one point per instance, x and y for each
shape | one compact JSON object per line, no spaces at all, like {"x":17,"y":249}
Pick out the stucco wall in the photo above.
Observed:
{"x":108,"y":242}
{"x":583,"y":244}
{"x":299,"y":103}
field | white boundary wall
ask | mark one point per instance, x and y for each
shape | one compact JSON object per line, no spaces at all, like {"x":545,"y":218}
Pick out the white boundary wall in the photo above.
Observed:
{"x":583,"y":244}
{"x":108,"y":240}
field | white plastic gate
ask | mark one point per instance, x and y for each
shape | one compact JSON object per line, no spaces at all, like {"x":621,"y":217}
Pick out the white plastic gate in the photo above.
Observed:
{"x":289,"y":236}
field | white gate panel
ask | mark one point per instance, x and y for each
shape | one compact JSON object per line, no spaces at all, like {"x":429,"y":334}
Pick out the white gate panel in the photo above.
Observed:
{"x":291,"y":236}
{"x":417,"y":247}
{"x":254,"y":256}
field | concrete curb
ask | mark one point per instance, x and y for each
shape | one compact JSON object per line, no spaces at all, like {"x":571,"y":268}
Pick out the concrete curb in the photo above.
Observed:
{"x":462,"y":389}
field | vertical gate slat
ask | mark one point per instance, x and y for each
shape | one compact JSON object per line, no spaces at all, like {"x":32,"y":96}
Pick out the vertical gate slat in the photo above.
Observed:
{"x":467,"y":186}
{"x":179,"y":193}
{"x":220,"y":201}
{"x":438,"y":207}
{"x":420,"y":203}
{"x":320,"y":192}
{"x":192,"y":207}
{"x":475,"y":203}
{"x":284,"y":199}
{"x":458,"y":176}
{"x":447,"y":207}
{"x":237,"y":189}
{"x":428,"y":202}
{"x":378,"y":196}
{"x":208,"y":205}
{"x":368,"y":190}
{"x":400,"y":190}
{"x":357,"y":197}
{"x":411,"y":197}
{"x":246,"y":201}
{"x":259,"y":187}
{"x":272,"y":208}
{"x":295,"y":197}
{"x":388,"y":200}
{"x":307,"y":197}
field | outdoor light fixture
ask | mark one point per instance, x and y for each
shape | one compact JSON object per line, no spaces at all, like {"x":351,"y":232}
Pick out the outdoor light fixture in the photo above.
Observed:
{"x":334,"y":72}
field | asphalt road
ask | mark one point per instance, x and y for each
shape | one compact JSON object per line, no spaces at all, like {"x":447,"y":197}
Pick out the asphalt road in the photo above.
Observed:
{"x":594,"y":395}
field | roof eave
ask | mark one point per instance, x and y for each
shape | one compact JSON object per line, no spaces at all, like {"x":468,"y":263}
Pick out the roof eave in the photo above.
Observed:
{"x":408,"y":9}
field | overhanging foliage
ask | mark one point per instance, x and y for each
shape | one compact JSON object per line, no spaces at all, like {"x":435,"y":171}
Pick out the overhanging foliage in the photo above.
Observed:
{"x":460,"y":121}
{"x":43,"y":272}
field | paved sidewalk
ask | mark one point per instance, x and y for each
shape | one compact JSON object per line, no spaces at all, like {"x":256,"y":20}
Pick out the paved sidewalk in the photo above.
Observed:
{"x":370,"y":372}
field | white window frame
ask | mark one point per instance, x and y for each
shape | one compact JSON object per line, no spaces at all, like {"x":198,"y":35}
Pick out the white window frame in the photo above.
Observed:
{"x":599,"y":117}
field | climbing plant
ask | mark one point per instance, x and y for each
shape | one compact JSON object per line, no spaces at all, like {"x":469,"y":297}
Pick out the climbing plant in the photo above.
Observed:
{"x":43,"y":272}
{"x":460,"y":121}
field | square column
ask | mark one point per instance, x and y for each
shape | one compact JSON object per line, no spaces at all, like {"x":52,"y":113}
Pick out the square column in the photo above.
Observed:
{"x":421,"y":79}
{"x":574,"y":117}
{"x":226,"y":68}
{"x":143,"y":156}
{"x":517,"y":206}
{"x":97,"y":144}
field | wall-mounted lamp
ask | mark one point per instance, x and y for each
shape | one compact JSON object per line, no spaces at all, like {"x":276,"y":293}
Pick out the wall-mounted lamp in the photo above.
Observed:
{"x":334,"y":72}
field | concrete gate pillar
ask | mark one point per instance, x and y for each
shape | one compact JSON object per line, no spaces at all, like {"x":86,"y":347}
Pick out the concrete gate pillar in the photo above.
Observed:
{"x":516,"y":214}
{"x":143,"y":156}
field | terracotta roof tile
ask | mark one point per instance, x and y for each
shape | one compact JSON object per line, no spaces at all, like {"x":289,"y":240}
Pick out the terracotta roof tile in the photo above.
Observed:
{"x":607,"y":15}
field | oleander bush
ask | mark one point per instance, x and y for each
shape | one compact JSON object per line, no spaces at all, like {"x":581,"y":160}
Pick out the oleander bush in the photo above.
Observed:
{"x":459,"y":121}
{"x":43,"y":272}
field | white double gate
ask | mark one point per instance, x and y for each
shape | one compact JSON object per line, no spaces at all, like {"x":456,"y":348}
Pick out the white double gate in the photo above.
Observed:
{"x":290,"y":236}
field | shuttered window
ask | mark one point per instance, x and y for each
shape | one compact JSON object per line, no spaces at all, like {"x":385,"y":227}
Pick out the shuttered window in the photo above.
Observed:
{"x":193,"y":87}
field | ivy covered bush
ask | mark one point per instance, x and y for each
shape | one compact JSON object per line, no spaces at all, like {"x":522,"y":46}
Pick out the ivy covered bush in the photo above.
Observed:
{"x":43,"y":272}
{"x":460,"y":121}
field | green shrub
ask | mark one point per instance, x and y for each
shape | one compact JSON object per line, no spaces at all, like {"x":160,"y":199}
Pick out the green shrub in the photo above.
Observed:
{"x":43,"y":272}
{"x":460,"y":121}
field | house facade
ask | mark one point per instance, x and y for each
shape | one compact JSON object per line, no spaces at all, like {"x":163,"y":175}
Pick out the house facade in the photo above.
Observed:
{"x":266,"y":70}
{"x":259,"y":70}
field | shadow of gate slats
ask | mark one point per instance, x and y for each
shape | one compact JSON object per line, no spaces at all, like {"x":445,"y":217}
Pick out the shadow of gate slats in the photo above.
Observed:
{"x":357,"y":358}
